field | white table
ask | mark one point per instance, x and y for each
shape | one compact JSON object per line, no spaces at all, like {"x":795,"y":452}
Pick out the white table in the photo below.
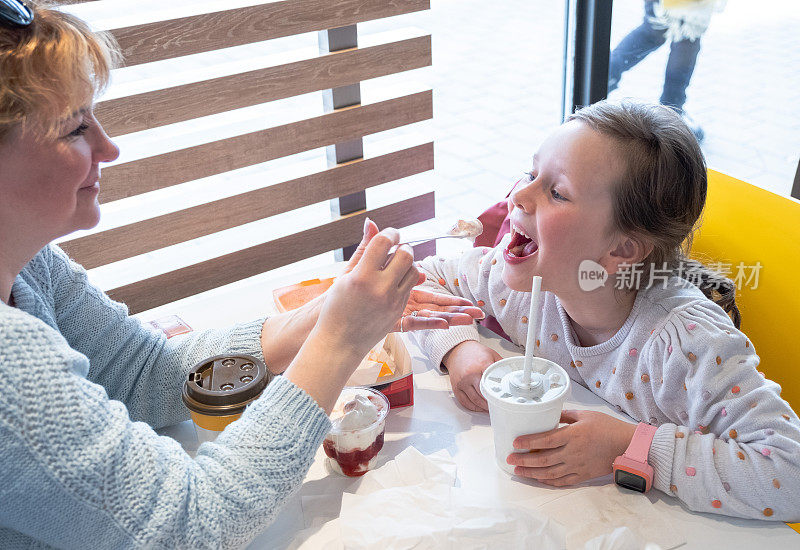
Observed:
{"x":436,"y":422}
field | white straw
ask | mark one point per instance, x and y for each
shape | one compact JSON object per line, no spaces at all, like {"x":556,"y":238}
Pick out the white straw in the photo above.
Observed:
{"x":533,"y":323}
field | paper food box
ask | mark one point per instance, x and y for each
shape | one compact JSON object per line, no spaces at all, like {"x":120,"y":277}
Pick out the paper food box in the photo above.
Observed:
{"x":387,"y":366}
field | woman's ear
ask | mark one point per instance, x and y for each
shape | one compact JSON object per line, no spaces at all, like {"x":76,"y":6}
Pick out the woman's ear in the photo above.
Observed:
{"x":629,"y":251}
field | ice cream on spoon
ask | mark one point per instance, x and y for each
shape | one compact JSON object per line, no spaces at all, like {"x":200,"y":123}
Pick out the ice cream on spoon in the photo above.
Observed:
{"x":462,"y":229}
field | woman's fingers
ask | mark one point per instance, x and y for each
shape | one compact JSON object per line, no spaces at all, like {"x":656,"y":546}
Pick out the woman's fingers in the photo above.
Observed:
{"x":400,"y":265}
{"x":452,"y":319}
{"x":411,"y":323}
{"x":426,"y":319}
{"x":409,"y":279}
{"x":377,"y":250}
{"x":438,"y":299}
{"x":370,"y":230}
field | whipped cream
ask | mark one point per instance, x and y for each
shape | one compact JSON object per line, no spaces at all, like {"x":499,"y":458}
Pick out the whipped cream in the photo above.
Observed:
{"x":358,"y":418}
{"x":358,"y":414}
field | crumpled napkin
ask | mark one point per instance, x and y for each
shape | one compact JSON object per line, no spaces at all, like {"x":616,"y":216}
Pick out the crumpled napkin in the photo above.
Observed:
{"x":620,"y":538}
{"x":594,"y":514}
{"x":436,"y":516}
{"x":411,"y":502}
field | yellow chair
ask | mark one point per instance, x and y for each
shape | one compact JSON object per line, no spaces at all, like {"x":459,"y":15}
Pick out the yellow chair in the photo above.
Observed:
{"x":744,"y":227}
{"x":748,"y":226}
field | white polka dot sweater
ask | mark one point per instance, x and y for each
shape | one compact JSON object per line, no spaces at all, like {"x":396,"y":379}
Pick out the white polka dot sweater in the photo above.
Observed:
{"x":83,"y":385}
{"x":726,"y":443}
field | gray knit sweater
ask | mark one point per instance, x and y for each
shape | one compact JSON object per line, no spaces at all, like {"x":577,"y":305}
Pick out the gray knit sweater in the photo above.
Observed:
{"x":726,"y":443}
{"x":83,"y":386}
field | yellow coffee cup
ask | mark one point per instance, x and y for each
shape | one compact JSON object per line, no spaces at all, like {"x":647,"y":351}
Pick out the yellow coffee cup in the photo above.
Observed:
{"x":219,"y":388}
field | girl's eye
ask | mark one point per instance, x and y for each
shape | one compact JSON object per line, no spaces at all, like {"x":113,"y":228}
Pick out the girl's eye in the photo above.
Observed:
{"x":558,"y":196}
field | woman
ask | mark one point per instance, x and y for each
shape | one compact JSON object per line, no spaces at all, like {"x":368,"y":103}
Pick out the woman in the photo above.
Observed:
{"x":84,"y":384}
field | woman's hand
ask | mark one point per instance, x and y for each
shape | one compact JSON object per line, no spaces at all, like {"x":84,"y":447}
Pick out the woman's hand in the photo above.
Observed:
{"x":359,"y":309}
{"x":465,"y":363}
{"x":584,"y":449}
{"x":436,"y":311}
{"x":366,"y":302}
{"x":433,"y":310}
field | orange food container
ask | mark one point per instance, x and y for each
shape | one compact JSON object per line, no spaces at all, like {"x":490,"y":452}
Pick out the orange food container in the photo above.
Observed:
{"x":293,"y":296}
{"x":393,"y":377}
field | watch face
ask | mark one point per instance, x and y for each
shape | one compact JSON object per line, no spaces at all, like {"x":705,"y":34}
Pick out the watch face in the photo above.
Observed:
{"x":630,"y":481}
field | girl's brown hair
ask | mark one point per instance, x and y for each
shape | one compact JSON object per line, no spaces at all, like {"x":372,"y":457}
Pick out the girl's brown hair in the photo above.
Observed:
{"x":50,"y":69}
{"x":660,"y":197}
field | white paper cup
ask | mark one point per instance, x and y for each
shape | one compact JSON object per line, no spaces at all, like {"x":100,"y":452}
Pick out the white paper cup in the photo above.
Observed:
{"x":513,"y":416}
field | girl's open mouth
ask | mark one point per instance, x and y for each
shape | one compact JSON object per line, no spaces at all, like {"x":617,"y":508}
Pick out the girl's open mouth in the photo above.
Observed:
{"x":520,"y":247}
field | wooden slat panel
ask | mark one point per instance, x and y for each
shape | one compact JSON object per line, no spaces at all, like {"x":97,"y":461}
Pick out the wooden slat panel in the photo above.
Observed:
{"x":229,"y":268}
{"x":149,"y":174}
{"x":171,"y":105}
{"x":223,"y":29}
{"x":141,"y":237}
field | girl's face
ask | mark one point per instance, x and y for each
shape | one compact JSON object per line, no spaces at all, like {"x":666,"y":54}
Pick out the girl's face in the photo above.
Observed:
{"x":562,"y":213}
{"x":49,"y":186}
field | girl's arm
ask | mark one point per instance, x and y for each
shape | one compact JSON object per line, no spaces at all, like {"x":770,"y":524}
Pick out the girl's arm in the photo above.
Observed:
{"x":734,"y":446}
{"x":460,"y":276}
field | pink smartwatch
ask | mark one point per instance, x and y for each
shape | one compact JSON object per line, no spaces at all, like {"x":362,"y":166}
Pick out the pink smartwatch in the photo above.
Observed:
{"x":631,"y":470}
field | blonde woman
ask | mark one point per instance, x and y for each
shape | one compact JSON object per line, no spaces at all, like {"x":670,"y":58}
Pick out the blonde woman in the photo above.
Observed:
{"x":84,"y":384}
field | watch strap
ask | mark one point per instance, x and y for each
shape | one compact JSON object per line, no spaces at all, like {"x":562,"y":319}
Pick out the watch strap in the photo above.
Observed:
{"x":639,"y":448}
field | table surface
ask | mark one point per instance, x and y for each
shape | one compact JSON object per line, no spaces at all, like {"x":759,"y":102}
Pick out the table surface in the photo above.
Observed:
{"x":436,"y":422}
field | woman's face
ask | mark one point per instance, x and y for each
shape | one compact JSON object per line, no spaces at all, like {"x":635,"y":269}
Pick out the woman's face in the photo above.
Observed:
{"x":562,"y":214}
{"x":49,"y":185}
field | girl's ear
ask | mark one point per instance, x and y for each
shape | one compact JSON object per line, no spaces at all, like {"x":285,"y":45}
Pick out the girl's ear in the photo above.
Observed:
{"x":629,"y":251}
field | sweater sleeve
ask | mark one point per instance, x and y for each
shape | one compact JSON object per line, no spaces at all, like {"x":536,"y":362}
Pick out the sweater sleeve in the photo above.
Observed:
{"x":76,"y":472}
{"x":733,"y":446}
{"x":458,"y":277}
{"x":135,"y":363}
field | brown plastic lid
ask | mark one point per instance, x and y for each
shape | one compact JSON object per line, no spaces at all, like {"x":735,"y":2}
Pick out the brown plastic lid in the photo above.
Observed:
{"x":225,"y":384}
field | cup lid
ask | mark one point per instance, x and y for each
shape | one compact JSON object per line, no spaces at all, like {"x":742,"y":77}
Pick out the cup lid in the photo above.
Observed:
{"x":224,"y":384}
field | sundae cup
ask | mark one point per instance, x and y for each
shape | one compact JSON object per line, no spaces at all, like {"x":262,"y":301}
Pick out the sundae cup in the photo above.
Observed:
{"x":518,"y":409}
{"x":218,"y":390}
{"x":359,"y":422}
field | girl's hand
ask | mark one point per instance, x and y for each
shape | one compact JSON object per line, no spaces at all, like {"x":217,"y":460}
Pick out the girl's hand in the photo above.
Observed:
{"x":584,"y":449}
{"x":465,"y":363}
{"x":433,"y":311}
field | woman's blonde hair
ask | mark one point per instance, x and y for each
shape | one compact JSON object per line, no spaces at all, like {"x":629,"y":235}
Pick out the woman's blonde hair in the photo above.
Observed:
{"x":661,"y":195}
{"x":50,"y":69}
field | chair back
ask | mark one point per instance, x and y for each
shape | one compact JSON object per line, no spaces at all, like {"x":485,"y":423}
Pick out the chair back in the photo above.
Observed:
{"x":754,"y":235}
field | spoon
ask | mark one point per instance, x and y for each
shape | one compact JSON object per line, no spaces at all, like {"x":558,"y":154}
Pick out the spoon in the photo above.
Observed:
{"x":462,"y":229}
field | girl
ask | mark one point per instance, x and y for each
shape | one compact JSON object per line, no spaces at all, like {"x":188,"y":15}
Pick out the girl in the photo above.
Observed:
{"x":84,"y":384}
{"x":619,"y":186}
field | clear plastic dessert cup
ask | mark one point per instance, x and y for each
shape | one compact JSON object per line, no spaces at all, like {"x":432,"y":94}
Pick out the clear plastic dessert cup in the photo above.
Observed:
{"x":514,"y":411}
{"x":219,"y":388}
{"x":356,"y":437}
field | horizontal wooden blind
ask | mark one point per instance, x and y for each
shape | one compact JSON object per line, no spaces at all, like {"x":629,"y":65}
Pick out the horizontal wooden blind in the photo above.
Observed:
{"x":224,"y":29}
{"x":150,"y":42}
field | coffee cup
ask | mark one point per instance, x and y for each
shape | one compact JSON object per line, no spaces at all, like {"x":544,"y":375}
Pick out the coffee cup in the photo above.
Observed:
{"x":516,"y":409}
{"x":219,"y":388}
